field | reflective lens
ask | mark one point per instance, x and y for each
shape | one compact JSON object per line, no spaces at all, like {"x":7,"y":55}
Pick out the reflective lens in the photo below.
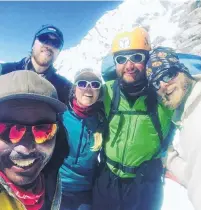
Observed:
{"x":121,"y":59}
{"x":137,"y":58}
{"x":16,"y":133}
{"x":2,"y":128}
{"x":156,"y":84}
{"x":46,"y":39}
{"x":44,"y":132}
{"x":134,"y":58}
{"x":84,"y":84}
{"x":95,"y":85}
{"x":41,"y":133}
{"x":170,"y":75}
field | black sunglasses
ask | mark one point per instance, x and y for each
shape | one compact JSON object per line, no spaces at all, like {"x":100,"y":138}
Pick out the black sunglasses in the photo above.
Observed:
{"x":46,"y":39}
{"x":166,"y":77}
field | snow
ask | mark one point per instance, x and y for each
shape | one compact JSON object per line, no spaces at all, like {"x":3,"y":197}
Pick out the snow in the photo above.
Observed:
{"x":97,"y":43}
{"x":175,"y":197}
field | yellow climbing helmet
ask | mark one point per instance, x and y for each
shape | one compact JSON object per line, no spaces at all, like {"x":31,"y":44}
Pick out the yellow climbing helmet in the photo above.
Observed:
{"x":138,"y":39}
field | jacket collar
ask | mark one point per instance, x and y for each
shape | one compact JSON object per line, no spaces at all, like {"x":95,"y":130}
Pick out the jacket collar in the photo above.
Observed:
{"x":27,"y":65}
{"x":56,"y":202}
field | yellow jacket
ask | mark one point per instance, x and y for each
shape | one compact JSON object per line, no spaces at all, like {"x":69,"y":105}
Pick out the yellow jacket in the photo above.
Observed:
{"x":8,"y":202}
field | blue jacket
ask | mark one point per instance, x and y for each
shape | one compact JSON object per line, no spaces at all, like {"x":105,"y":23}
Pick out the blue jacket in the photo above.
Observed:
{"x":78,"y":169}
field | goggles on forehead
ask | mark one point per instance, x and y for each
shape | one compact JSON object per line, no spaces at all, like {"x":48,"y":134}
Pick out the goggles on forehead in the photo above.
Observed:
{"x":46,"y":39}
{"x":14,"y":132}
{"x":165,"y":77}
{"x":83,"y":84}
{"x":134,"y":58}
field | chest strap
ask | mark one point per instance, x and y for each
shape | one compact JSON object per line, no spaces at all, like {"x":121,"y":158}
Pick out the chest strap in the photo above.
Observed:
{"x":125,"y":169}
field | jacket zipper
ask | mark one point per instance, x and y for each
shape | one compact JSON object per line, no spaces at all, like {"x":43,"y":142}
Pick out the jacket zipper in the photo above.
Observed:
{"x":80,"y":142}
{"x":88,"y":140}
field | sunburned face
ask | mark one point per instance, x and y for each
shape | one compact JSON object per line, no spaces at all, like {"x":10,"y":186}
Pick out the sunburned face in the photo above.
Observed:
{"x":23,"y":161}
{"x":130,"y":71}
{"x":173,"y":93}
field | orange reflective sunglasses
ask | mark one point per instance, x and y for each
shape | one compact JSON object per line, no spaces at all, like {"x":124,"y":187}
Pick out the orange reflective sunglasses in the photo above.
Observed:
{"x":15,"y":132}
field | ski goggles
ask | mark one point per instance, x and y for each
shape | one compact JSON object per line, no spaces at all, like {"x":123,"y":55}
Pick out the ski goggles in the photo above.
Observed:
{"x":166,"y":77}
{"x":46,"y":39}
{"x":134,"y":58}
{"x":14,"y":132}
{"x":83,"y":84}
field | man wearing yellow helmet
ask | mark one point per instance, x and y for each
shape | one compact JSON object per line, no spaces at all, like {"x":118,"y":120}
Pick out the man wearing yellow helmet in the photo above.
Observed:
{"x":131,"y":177}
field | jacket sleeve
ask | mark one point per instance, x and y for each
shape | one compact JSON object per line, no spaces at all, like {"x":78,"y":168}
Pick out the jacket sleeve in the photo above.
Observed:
{"x":176,"y":165}
{"x":193,"y":174}
{"x":7,"y":67}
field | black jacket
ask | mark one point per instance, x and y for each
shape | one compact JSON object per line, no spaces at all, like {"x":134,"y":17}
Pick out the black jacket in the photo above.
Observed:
{"x":61,"y":84}
{"x":50,"y":171}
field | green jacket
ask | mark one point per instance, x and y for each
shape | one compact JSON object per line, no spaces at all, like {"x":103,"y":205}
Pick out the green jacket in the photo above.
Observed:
{"x":132,"y":138}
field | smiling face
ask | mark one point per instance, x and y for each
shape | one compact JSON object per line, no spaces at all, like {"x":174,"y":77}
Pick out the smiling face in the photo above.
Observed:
{"x":23,"y":161}
{"x":44,"y":54}
{"x":87,"y":96}
{"x":131,"y":72}
{"x":173,"y":93}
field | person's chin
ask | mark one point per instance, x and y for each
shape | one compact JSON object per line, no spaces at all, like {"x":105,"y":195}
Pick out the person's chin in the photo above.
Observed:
{"x":172,"y":103}
{"x":23,"y":175}
{"x":23,"y":180}
{"x":88,"y":103}
{"x":46,"y":60}
{"x":128,"y":79}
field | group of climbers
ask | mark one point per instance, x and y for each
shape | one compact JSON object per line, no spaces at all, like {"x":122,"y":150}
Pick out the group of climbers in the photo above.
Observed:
{"x":114,"y":142}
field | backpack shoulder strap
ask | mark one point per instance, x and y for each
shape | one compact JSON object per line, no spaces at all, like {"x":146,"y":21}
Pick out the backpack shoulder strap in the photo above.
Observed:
{"x":115,"y":100}
{"x":152,"y":109}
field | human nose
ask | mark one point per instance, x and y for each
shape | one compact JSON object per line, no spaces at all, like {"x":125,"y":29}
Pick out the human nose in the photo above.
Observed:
{"x":26,"y":145}
{"x":88,"y":87}
{"x":130,"y":64}
{"x":22,"y":149}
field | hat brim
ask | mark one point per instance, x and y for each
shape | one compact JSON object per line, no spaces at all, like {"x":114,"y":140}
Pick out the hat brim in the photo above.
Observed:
{"x":56,"y":105}
{"x":50,"y":32}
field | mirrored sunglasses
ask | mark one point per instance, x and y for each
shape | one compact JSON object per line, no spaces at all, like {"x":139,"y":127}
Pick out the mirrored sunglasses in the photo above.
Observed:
{"x":167,"y":77}
{"x":14,"y":132}
{"x":83,"y":84}
{"x":46,"y":39}
{"x":134,"y":58}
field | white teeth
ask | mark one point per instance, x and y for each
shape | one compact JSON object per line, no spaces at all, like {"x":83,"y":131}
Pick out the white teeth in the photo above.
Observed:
{"x":23,"y":163}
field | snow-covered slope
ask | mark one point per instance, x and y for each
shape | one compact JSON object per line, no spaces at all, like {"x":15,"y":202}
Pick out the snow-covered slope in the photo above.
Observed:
{"x":170,"y":23}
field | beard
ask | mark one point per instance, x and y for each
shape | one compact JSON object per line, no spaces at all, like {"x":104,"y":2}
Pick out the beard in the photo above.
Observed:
{"x":6,"y":164}
{"x":179,"y":95}
{"x":43,"y":60}
{"x":129,"y":80}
